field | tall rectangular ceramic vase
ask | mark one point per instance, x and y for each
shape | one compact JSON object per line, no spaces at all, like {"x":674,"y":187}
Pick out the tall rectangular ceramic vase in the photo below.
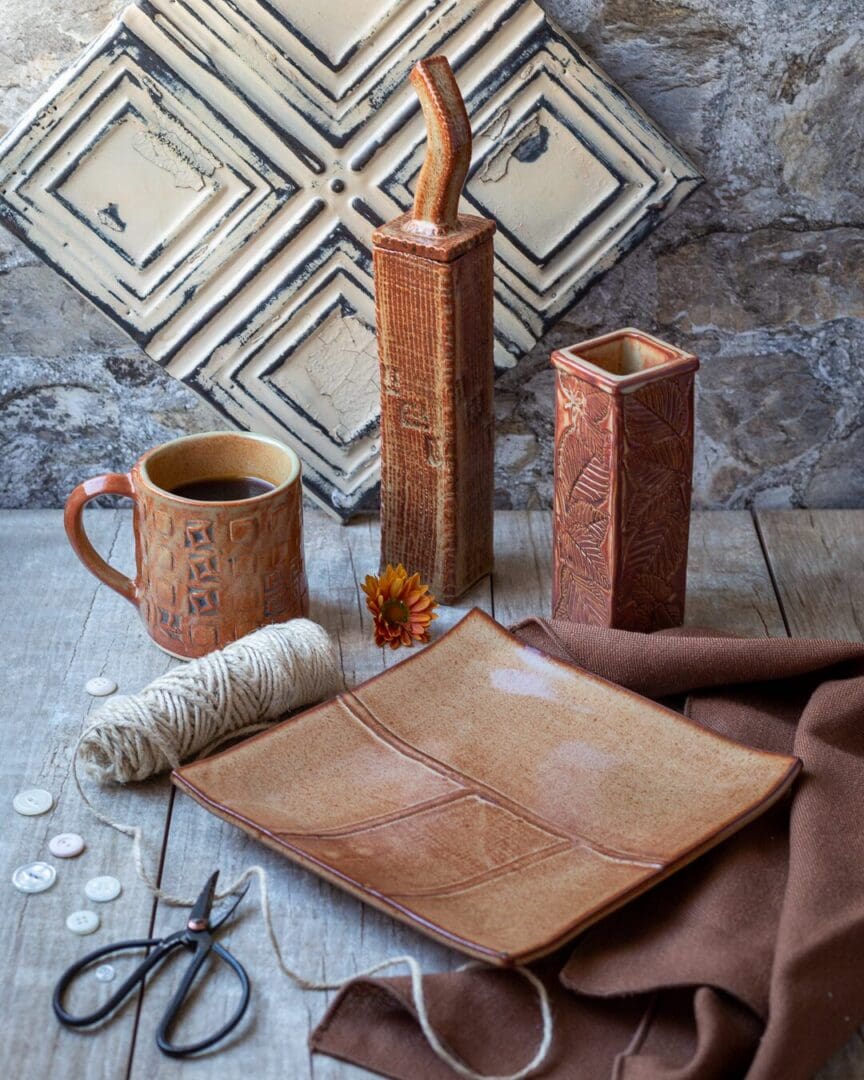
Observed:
{"x":623,"y":474}
{"x":433,"y":299}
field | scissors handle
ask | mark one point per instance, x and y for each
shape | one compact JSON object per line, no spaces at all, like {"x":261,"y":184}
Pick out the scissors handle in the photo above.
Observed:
{"x":176,"y":1004}
{"x":161,"y":947}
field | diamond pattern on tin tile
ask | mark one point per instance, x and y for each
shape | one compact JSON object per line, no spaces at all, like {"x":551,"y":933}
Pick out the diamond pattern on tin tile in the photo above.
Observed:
{"x":210,"y":171}
{"x":137,"y":191}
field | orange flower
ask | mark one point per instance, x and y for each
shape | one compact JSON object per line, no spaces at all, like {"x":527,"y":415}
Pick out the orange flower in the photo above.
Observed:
{"x":401,"y":606}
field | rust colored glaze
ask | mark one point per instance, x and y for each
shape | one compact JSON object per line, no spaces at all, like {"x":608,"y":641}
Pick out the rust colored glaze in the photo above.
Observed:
{"x":623,"y":473}
{"x":433,"y":297}
{"x":502,"y":829}
{"x":207,"y":572}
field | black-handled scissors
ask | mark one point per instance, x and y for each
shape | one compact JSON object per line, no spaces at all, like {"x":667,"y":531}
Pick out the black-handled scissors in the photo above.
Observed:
{"x":197,"y":937}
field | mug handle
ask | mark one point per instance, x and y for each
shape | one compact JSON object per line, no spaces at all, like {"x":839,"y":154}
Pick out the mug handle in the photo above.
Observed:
{"x":109,"y":484}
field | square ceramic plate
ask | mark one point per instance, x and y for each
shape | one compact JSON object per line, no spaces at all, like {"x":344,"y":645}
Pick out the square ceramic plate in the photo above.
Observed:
{"x":492,"y":797}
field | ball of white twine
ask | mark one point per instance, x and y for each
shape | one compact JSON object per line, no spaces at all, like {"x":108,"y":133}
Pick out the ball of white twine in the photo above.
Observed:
{"x":196,"y":706}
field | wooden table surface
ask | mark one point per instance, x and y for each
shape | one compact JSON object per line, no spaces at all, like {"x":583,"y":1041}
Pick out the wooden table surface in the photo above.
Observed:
{"x":775,"y":573}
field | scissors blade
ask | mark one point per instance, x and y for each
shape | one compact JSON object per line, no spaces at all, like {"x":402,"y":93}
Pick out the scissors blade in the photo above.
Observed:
{"x":225,"y":915}
{"x":200,"y":913}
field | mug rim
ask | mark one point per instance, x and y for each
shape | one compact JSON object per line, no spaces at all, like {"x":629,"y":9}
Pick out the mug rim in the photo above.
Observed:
{"x":202,"y":436}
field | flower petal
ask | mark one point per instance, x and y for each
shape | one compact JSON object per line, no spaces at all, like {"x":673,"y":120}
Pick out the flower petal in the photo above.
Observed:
{"x":395,"y":592}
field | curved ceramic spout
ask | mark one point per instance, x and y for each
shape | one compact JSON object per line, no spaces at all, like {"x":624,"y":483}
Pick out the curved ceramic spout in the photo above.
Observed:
{"x":448,"y":150}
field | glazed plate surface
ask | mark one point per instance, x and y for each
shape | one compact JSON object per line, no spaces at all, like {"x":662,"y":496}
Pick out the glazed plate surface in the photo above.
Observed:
{"x":491,"y":797}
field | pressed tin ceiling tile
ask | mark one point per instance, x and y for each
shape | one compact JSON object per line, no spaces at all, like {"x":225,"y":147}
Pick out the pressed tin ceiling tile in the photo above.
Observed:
{"x":210,"y":171}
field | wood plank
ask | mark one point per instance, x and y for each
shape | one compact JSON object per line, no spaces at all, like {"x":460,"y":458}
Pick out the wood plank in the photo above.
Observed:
{"x":338,"y":558}
{"x":817,"y":561}
{"x":325,"y":933}
{"x":728,"y":585}
{"x":60,"y":627}
{"x":72,"y":628}
{"x":522,"y":582}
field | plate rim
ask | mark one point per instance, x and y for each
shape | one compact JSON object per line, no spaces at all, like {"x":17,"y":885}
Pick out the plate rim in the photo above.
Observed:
{"x":390,"y":906}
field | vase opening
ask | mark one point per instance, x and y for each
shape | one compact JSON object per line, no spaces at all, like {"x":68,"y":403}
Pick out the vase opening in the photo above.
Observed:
{"x":626,"y":355}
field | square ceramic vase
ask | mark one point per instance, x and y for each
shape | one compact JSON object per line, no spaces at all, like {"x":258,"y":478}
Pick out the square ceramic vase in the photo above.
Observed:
{"x":623,"y":477}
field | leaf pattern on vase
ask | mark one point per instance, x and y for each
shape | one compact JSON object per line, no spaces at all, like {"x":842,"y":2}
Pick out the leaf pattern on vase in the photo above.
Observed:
{"x":623,"y":468}
{"x":582,"y":584}
{"x":654,"y":595}
{"x":656,"y":471}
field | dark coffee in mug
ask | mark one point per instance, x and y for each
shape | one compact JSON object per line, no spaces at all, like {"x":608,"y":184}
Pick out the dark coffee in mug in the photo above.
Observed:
{"x":223,"y":488}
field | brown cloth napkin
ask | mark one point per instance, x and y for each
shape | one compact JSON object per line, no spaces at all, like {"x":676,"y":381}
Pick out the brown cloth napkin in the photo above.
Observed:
{"x":749,"y":962}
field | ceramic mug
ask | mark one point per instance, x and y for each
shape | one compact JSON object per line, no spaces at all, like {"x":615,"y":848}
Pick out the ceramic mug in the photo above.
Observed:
{"x":208,"y":571}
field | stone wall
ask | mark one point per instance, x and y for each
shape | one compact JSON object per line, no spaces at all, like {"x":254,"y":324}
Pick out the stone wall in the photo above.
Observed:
{"x":760,"y":273}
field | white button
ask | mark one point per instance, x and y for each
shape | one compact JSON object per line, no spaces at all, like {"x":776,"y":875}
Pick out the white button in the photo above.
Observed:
{"x":83,"y":922}
{"x":34,"y":877}
{"x":33,"y":801}
{"x":66,"y":845}
{"x":102,"y":889}
{"x":105,"y":973}
{"x":100,"y":686}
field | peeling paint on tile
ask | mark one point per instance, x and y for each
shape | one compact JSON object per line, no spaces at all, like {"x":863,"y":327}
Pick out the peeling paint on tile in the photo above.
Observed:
{"x":109,"y":216}
{"x":521,"y":146}
{"x":186,"y":166}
